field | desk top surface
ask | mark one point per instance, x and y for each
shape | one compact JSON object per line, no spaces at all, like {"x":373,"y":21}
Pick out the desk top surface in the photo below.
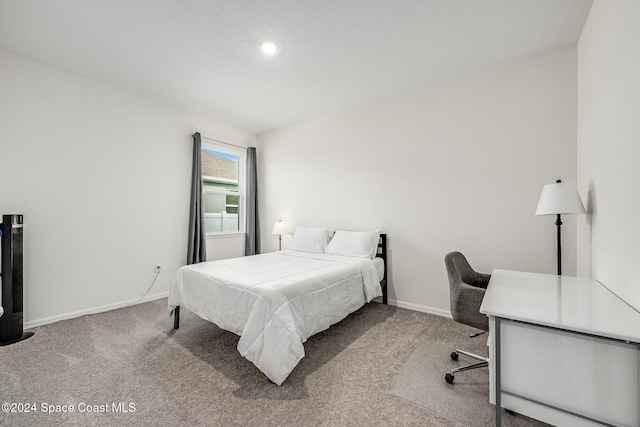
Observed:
{"x":564,"y":302}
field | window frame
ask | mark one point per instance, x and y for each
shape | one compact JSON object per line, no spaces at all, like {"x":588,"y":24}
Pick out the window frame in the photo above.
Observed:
{"x":242,"y":193}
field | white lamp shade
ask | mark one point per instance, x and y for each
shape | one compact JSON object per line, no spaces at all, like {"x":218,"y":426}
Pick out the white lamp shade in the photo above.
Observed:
{"x":280,"y":228}
{"x":560,"y":198}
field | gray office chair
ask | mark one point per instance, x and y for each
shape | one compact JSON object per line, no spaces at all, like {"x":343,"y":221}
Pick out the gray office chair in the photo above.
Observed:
{"x":466,"y":290}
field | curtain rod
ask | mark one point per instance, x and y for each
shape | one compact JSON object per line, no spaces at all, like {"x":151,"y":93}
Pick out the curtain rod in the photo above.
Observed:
{"x":222,"y":142}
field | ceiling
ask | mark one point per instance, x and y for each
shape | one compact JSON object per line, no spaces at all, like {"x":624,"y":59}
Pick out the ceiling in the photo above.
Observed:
{"x":202,"y":56}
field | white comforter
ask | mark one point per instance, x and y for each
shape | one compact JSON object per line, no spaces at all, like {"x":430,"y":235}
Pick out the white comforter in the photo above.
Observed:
{"x":276,"y":301}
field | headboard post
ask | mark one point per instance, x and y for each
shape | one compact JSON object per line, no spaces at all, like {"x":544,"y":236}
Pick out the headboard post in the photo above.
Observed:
{"x":382,"y":253}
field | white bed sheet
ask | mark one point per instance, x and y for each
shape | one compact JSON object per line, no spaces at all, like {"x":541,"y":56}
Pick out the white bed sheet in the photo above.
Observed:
{"x":275,"y":301}
{"x":379,"y":265}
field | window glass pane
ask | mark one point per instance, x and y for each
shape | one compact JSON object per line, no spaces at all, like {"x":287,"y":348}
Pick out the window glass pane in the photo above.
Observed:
{"x":232,"y":203}
{"x":220,"y":183}
{"x":220,"y":168}
{"x":214,"y":203}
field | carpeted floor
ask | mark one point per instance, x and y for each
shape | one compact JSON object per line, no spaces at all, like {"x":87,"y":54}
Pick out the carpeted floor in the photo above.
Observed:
{"x":129,"y":367}
{"x":421,"y":381}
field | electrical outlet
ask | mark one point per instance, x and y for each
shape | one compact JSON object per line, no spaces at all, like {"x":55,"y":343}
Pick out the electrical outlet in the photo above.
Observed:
{"x":156,"y":269}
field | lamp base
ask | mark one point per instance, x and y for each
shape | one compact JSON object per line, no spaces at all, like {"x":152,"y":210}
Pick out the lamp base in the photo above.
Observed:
{"x":559,"y":239}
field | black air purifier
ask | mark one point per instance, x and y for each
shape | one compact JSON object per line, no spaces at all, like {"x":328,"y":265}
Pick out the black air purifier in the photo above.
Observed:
{"x":11,"y":320}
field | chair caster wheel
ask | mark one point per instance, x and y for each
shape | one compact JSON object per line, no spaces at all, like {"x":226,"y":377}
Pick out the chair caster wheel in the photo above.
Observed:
{"x":454,"y":355}
{"x":449,"y":378}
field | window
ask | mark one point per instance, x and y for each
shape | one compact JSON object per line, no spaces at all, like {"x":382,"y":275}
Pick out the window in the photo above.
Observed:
{"x":223,"y":188}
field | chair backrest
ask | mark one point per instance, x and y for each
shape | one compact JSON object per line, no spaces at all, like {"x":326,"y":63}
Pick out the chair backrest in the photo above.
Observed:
{"x":466,"y":290}
{"x":458,"y":269}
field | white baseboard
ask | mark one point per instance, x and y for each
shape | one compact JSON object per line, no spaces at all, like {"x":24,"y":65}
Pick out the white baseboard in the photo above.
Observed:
{"x":101,"y":309}
{"x":421,"y":308}
{"x":48,"y":320}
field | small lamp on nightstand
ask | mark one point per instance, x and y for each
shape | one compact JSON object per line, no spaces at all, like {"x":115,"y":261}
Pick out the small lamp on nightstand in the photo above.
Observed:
{"x":279,"y":229}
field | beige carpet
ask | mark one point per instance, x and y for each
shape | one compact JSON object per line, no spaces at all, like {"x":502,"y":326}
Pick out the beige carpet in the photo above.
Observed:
{"x":354,"y":374}
{"x":422,"y":382}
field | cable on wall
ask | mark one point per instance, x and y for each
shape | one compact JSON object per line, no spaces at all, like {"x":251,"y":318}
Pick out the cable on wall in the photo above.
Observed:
{"x":147,"y":291}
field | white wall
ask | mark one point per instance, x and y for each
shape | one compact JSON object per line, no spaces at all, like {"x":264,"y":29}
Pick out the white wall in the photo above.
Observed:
{"x":609,"y":145}
{"x":102,"y":178}
{"x":456,"y":166}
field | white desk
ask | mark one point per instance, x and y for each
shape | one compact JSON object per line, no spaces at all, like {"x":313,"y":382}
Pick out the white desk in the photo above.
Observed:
{"x":562,"y":350}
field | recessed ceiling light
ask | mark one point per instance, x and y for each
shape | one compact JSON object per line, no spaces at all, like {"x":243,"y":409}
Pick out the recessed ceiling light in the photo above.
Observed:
{"x":268,"y":47}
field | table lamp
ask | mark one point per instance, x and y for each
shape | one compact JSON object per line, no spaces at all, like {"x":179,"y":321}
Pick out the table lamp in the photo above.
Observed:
{"x":279,"y":229}
{"x":557,"y":199}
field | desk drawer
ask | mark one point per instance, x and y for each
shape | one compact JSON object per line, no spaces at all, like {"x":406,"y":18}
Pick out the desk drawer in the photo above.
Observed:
{"x":593,"y":376}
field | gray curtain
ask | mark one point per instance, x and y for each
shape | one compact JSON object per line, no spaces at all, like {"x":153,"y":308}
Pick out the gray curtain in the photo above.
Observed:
{"x":252,"y":237}
{"x":197,"y":248}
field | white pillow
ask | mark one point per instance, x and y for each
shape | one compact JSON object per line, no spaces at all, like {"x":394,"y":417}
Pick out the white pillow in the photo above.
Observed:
{"x":360,"y":244}
{"x":308,"y":239}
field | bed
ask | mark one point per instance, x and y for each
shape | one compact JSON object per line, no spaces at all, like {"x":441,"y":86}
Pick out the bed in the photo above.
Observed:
{"x":275,"y":301}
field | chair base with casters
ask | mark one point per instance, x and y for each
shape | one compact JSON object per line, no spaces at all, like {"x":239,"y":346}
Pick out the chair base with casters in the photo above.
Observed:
{"x":466,"y":291}
{"x":483,"y":363}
